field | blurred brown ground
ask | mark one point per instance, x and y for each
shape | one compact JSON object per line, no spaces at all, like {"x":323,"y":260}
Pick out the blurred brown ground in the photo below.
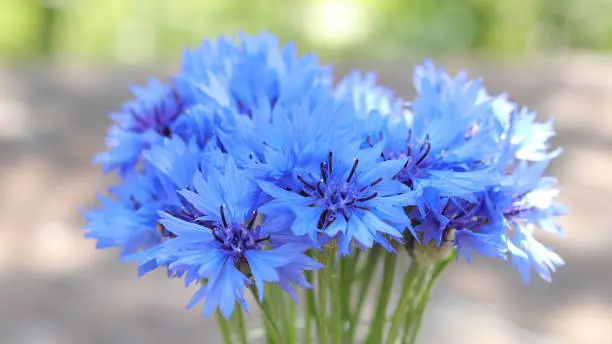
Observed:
{"x":55,"y":288}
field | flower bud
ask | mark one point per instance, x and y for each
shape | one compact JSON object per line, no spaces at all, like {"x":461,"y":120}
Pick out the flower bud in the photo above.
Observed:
{"x":430,"y":253}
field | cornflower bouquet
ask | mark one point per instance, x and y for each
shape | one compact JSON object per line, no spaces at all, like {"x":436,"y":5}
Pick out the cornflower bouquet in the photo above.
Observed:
{"x":250,"y":171}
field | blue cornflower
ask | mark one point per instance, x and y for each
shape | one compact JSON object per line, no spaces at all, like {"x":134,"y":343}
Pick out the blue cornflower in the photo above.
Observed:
{"x":528,"y":254}
{"x":509,"y":212}
{"x":277,"y":73}
{"x":127,"y":219}
{"x":447,"y":152}
{"x":140,"y":122}
{"x":526,"y":201}
{"x":460,"y":223}
{"x":279,"y":140}
{"x":204,"y":122}
{"x":379,"y":114}
{"x":228,"y":247}
{"x":249,"y":72}
{"x":455,"y":114}
{"x":351,"y":196}
{"x":427,"y":75}
{"x":367,"y":96}
{"x":458,"y":131}
{"x":173,"y":162}
{"x":501,"y":221}
{"x":529,"y":139}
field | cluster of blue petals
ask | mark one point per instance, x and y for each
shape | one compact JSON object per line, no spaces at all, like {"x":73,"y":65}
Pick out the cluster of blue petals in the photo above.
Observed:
{"x":250,"y":156}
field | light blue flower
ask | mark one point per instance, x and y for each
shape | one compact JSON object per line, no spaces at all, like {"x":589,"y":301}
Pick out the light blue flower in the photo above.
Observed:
{"x":530,"y":203}
{"x":530,"y":139}
{"x":127,"y":219}
{"x":226,"y":248}
{"x":140,"y":123}
{"x":249,"y":72}
{"x":447,"y":151}
{"x":350,"y":195}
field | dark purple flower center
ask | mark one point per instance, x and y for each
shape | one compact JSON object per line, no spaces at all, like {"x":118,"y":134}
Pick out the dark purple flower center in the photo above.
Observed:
{"x":417,"y":155}
{"x":464,"y":216}
{"x":335,"y":195}
{"x":158,"y":115}
{"x":235,"y":238}
{"x":516,"y":210}
{"x":517,"y":207}
{"x":246,"y":108}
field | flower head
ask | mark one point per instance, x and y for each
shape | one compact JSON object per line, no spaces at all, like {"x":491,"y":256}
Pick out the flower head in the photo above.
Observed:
{"x":226,"y":245}
{"x":477,"y":193}
{"x":351,"y":199}
{"x":524,"y":203}
{"x":127,"y":219}
{"x":141,"y":122}
{"x":366,"y":96}
{"x":446,"y":151}
{"x":249,"y":72}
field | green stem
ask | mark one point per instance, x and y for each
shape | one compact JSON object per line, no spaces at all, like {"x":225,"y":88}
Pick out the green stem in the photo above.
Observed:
{"x":409,"y":319}
{"x":333,"y":283}
{"x":224,"y":328}
{"x":237,"y":324}
{"x":309,"y":309}
{"x":378,"y":322}
{"x":406,"y":298}
{"x":291,"y":319}
{"x":322,"y":283}
{"x":274,"y":334}
{"x":413,"y":323}
{"x":347,"y":273}
{"x":345,"y":280}
{"x":276,"y":298}
{"x":416,"y":324}
{"x":366,"y":273}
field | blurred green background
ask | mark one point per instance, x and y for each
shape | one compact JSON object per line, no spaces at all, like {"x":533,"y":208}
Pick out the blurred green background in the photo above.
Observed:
{"x":65,"y":64}
{"x":141,"y":31}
